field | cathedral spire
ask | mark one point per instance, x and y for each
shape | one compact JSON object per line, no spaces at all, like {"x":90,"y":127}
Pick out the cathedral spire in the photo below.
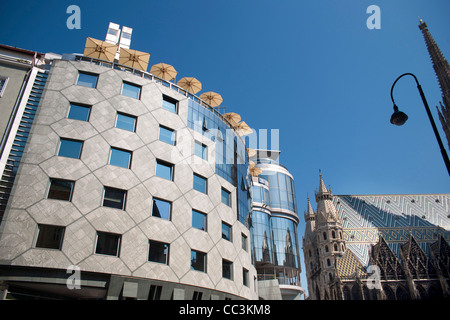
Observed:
{"x":442,"y":70}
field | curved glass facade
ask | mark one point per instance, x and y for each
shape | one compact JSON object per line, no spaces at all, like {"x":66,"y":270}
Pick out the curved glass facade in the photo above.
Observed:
{"x":285,"y":246}
{"x":282,"y":190}
{"x":231,"y":155}
{"x":261,"y":237}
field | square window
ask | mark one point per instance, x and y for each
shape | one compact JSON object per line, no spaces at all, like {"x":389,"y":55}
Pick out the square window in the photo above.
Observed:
{"x":79,"y":112}
{"x":227,"y":269}
{"x":198,"y":261}
{"x":120,"y":158}
{"x":170,"y":104}
{"x":49,"y":237}
{"x":167,"y":135}
{"x":226,"y":197}
{"x":114,"y":198}
{"x":198,"y":220}
{"x":226,"y":231}
{"x":87,"y":79}
{"x":126,"y":122}
{"x":245,"y":277}
{"x":70,"y":148}
{"x":60,"y":189}
{"x":200,"y":183}
{"x":244,"y":242}
{"x":108,"y":243}
{"x":131,"y":90}
{"x":158,"y":252}
{"x":161,"y":209}
{"x":200,"y":150}
{"x":164,"y":170}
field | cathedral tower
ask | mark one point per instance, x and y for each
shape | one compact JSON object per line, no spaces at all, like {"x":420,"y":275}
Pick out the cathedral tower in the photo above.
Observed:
{"x":442,"y":70}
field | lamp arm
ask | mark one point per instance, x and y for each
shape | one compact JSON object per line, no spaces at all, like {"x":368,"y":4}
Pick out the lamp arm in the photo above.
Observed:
{"x":405,"y":74}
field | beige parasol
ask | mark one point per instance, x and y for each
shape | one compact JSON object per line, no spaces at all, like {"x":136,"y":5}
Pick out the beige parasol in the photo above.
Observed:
{"x":251,"y":153}
{"x":190,"y":84}
{"x":212,"y":98}
{"x":164,"y":71}
{"x":255,"y":171}
{"x":100,"y":49}
{"x":232,"y":118}
{"x":134,"y":59}
{"x":243,"y":129}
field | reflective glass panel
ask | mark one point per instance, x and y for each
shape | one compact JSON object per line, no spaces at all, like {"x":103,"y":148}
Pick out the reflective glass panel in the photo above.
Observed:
{"x":198,"y":220}
{"x":70,"y":148}
{"x":199,"y":183}
{"x":79,"y":112}
{"x":164,"y":170}
{"x":166,"y":135}
{"x":120,"y":158}
{"x":198,"y":261}
{"x":126,"y":122}
{"x":87,"y":80}
{"x":131,"y":90}
{"x":108,"y":243}
{"x":158,"y":252}
{"x":161,"y":209}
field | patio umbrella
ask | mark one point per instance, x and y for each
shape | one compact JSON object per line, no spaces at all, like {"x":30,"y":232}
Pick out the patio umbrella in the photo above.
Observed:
{"x":163,"y":71}
{"x":190,"y":84}
{"x":134,"y":59}
{"x":232,"y":118}
{"x":100,"y":49}
{"x":243,"y":129}
{"x":212,"y":98}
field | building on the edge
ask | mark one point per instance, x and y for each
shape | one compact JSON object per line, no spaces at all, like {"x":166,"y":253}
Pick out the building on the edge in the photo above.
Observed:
{"x":351,"y":239}
{"x":442,"y":70}
{"x":119,"y":186}
{"x":274,"y":222}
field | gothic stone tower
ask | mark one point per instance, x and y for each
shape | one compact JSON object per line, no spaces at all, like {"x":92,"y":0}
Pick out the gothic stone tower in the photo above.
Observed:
{"x":442,"y":70}
{"x":323,"y":242}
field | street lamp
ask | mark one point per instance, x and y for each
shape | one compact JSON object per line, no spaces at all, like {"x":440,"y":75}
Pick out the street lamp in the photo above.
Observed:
{"x":399,"y":118}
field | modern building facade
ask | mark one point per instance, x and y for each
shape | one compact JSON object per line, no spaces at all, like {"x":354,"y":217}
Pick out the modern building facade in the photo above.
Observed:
{"x":377,"y":247}
{"x":274,"y":229}
{"x":127,"y":187}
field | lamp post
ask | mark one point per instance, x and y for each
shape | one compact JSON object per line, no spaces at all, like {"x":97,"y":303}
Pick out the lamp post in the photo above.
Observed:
{"x":399,"y":118}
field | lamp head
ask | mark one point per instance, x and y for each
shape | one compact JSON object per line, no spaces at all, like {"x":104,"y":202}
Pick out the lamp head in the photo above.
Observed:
{"x":398,"y":118}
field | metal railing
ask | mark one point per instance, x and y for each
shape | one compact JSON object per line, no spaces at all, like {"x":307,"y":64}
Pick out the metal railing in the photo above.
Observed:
{"x":149,"y":76}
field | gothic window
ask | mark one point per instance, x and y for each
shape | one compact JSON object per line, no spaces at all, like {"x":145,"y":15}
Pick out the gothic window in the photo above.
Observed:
{"x":326,"y":248}
{"x":309,"y":251}
{"x":340,"y":234}
{"x":328,"y":262}
{"x":342,"y":247}
{"x":356,"y":292}
{"x":335,"y":247}
{"x":388,"y":292}
{"x":333,"y":234}
{"x":330,"y":276}
{"x":324,"y":236}
{"x":402,"y":294}
{"x":347,"y":295}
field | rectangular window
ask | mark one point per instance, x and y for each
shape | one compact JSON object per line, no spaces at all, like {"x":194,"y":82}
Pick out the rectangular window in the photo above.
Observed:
{"x":245,"y":277}
{"x":161,"y":209}
{"x":198,"y":261}
{"x":126,"y":122}
{"x":3,"y":83}
{"x":198,"y":220}
{"x":154,"y":293}
{"x":226,"y":197}
{"x":164,"y":170}
{"x":108,"y":243}
{"x":226,"y":231}
{"x":70,"y":148}
{"x":200,"y":150}
{"x":158,"y":252}
{"x":227,"y":269}
{"x":167,"y":135}
{"x":131,"y":90}
{"x":79,"y":112}
{"x":87,"y":79}
{"x":200,"y":183}
{"x":114,"y":198}
{"x":170,"y":104}
{"x":60,"y":189}
{"x":244,"y":242}
{"x":120,"y":158}
{"x":49,"y":237}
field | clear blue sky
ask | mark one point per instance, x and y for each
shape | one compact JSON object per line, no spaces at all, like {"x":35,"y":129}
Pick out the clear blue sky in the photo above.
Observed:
{"x":310,"y":68}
